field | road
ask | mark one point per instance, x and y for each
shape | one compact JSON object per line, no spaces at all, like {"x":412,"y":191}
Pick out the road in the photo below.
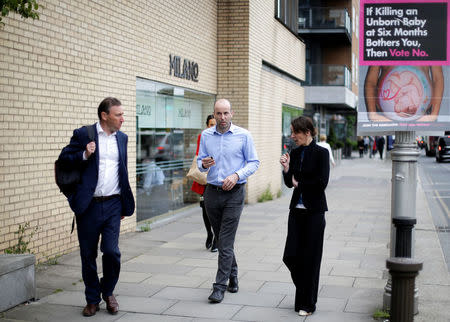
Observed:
{"x":435,"y":180}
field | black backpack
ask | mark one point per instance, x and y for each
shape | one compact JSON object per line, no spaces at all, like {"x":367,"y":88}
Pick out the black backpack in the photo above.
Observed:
{"x":67,"y":176}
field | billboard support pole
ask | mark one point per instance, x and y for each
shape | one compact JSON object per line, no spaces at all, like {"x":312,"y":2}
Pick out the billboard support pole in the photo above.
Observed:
{"x":403,"y":198}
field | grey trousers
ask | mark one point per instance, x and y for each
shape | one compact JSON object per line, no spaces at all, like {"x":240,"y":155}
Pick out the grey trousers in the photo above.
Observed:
{"x":224,"y":209}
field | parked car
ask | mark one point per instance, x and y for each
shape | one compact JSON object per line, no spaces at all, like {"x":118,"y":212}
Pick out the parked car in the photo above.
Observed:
{"x":430,"y":143}
{"x":420,"y":142}
{"x":443,"y":148}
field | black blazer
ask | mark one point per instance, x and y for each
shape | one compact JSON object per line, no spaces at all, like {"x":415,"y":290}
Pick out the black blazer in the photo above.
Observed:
{"x":312,"y":175}
{"x":79,"y":201}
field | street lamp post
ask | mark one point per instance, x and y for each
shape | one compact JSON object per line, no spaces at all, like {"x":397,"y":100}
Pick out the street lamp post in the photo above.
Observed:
{"x":403,"y":197}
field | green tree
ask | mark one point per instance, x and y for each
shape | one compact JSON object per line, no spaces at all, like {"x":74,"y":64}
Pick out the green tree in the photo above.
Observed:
{"x":351,"y":122}
{"x":26,"y":8}
{"x":331,"y":139}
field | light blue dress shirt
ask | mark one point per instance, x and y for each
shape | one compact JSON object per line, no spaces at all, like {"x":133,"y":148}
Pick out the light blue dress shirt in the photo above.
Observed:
{"x":233,"y":151}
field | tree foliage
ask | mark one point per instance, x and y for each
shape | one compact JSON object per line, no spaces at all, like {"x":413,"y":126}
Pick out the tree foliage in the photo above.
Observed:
{"x":26,"y":8}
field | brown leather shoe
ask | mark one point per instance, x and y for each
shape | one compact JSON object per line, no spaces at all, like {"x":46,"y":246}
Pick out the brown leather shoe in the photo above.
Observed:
{"x":111,"y":304}
{"x":90,"y":309}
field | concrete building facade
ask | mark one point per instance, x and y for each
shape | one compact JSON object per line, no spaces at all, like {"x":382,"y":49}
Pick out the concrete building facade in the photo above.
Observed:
{"x":167,"y":61}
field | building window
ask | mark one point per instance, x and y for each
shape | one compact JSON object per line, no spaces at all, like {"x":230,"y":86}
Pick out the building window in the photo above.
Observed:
{"x":286,"y":11}
{"x":169,"y":120}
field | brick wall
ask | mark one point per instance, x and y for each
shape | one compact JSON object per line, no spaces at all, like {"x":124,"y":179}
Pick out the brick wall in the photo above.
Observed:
{"x":233,"y":56}
{"x":54,"y":72}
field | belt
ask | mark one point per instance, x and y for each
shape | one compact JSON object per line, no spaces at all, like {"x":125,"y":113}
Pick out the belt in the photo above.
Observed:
{"x":219,"y":188}
{"x":105,"y":198}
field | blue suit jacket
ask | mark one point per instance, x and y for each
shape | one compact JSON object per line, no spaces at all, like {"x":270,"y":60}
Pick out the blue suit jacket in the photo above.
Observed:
{"x":81,"y":198}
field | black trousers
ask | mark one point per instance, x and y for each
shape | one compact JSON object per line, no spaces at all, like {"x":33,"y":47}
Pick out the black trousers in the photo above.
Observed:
{"x":303,"y":255}
{"x":100,"y":219}
{"x":224,"y":210}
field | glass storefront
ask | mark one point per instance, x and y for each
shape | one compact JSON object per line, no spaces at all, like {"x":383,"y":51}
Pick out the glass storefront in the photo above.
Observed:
{"x":289,"y":113}
{"x":169,"y":120}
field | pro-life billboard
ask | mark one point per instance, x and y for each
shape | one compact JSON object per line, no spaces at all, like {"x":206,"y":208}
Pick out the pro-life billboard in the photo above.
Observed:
{"x":404,"y":74}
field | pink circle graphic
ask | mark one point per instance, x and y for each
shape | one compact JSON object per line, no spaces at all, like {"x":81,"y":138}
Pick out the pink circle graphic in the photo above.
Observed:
{"x":404,"y":93}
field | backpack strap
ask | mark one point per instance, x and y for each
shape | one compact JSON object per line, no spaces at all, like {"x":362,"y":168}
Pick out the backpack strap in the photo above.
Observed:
{"x":73,"y":224}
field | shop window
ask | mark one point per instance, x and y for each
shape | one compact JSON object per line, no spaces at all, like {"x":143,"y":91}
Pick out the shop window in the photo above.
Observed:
{"x":169,"y":120}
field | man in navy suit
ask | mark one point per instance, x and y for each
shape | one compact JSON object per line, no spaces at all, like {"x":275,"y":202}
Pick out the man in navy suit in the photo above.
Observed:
{"x":100,"y":201}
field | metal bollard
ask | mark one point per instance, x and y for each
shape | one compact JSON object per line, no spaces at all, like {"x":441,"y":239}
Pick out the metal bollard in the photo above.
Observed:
{"x":403,"y":235}
{"x":403,"y":271}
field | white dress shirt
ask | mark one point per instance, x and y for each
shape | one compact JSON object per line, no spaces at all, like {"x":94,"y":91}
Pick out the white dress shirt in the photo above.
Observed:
{"x":108,"y":171}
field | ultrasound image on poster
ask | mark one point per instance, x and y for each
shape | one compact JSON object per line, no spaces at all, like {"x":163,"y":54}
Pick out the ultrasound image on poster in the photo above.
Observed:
{"x":404,"y":32}
{"x":404,"y":98}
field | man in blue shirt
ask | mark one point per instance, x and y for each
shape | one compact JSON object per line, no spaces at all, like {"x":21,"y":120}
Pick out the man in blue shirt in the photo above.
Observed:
{"x":229,"y":154}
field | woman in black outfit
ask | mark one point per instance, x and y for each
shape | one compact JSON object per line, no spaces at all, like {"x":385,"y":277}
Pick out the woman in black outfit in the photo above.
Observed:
{"x":307,"y":169}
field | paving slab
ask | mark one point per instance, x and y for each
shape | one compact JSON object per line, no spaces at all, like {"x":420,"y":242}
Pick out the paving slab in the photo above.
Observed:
{"x":339,"y":292}
{"x":369,"y":306}
{"x":278,"y":288}
{"x":133,"y":277}
{"x":253,"y":299}
{"x":143,"y":304}
{"x":203,"y":310}
{"x":356,"y":272}
{"x":183,"y":293}
{"x":175,"y":280}
{"x":71,"y":298}
{"x":250,"y":313}
{"x":362,"y":282}
{"x":432,"y":311}
{"x":136,"y":289}
{"x":133,"y":317}
{"x":337,"y":280}
{"x":323,"y":316}
{"x":155,"y":268}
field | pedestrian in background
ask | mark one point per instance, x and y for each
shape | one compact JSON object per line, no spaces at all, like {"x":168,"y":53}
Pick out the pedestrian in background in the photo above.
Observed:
{"x":380,"y":145}
{"x":230,"y":155}
{"x":100,"y":201}
{"x":323,"y":143}
{"x":371,"y":146}
{"x":307,"y":169}
{"x":360,"y":144}
{"x":366,"y":144}
{"x":200,"y":189}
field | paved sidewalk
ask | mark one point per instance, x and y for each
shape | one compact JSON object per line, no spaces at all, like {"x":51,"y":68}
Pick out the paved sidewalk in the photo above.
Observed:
{"x":167,"y":273}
